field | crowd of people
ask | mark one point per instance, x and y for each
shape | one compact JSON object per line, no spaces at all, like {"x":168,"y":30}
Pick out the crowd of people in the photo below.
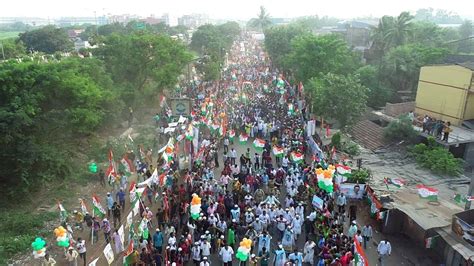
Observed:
{"x":252,"y":194}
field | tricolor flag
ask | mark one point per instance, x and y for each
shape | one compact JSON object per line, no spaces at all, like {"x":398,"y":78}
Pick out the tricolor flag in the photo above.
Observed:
{"x":143,"y":228}
{"x":427,"y":192}
{"x":398,"y":182}
{"x":222,"y":131}
{"x":190,"y":132}
{"x":98,"y":209}
{"x":243,"y":138}
{"x":162,"y":101}
{"x":111,"y":173}
{"x":214,"y":127}
{"x":343,"y":170}
{"x":429,"y":242}
{"x":231,"y":135}
{"x":325,"y":179}
{"x":62,"y":212}
{"x":297,"y":157}
{"x":359,"y":254}
{"x":83,"y":207}
{"x":278,"y":151}
{"x":291,"y":109}
{"x":111,"y":156}
{"x":127,"y":254}
{"x":258,"y":144}
{"x":127,"y":164}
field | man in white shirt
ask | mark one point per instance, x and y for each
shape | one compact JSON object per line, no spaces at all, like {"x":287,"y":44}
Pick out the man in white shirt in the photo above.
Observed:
{"x":205,"y":247}
{"x":341,"y":202}
{"x":233,"y":156}
{"x":226,"y":255}
{"x":384,"y":249}
{"x":204,"y":262}
{"x":366,"y":234}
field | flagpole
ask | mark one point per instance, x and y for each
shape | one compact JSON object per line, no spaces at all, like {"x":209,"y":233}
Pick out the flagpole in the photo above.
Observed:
{"x":92,"y":228}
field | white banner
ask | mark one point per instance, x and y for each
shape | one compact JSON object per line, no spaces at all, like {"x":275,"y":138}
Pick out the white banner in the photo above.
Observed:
{"x":121,"y":234}
{"x":94,"y":262}
{"x":136,"y":209}
{"x":129,"y":219}
{"x":109,"y":253}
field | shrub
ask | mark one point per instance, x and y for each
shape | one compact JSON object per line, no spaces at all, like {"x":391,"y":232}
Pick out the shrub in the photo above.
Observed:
{"x":360,"y":176}
{"x":436,"y":158}
{"x":400,"y":129}
{"x":351,"y":148}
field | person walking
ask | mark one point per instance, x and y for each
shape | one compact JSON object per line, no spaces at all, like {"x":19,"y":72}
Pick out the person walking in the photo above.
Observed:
{"x":71,"y":257}
{"x":233,"y":156}
{"x":110,"y":204}
{"x":366,"y":234}
{"x":158,"y":240}
{"x":48,"y":260}
{"x":341,"y":202}
{"x":117,"y":242}
{"x":81,"y":248}
{"x":116,"y":213}
{"x":226,"y":254}
{"x":384,"y":249}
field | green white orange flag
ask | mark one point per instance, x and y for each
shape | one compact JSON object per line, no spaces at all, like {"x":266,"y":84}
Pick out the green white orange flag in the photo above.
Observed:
{"x":258,"y":144}
{"x":127,"y":164}
{"x":359,"y":254}
{"x":98,"y":209}
{"x":278,"y":151}
{"x":231,"y":134}
{"x":62,"y":212}
{"x":83,"y":207}
{"x":343,"y":170}
{"x":297,"y":157}
{"x":398,"y":182}
{"x":243,"y":138}
{"x":428,"y":193}
{"x":127,"y":254}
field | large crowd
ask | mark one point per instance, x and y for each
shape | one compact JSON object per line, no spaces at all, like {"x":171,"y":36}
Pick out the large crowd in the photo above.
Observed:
{"x":257,"y":194}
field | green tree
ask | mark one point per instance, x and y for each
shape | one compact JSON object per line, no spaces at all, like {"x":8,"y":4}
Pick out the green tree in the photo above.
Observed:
{"x":230,"y":31}
{"x":466,"y":30}
{"x":13,"y":48}
{"x":378,"y":94}
{"x":262,"y":21}
{"x":313,"y":56}
{"x":401,"y":29}
{"x":278,"y":42}
{"x":400,"y":129}
{"x":48,"y":39}
{"x":339,"y":97}
{"x":401,"y":66}
{"x":143,"y":64}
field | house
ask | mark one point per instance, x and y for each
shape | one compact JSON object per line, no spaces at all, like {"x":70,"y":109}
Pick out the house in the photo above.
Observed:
{"x":446,"y":92}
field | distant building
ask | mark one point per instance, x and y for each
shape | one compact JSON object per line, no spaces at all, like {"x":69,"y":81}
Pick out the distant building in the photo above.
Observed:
{"x":123,"y":19}
{"x":193,"y":20}
{"x":446,"y":92}
{"x":71,"y":21}
{"x":356,"y":33}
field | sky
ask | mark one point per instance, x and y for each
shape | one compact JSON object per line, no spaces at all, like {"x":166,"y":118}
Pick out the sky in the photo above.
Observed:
{"x":225,"y":9}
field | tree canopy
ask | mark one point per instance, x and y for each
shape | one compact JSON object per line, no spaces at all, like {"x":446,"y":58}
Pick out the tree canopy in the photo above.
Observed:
{"x":340,"y":97}
{"x":278,"y":42}
{"x":262,"y":21}
{"x":48,"y":39}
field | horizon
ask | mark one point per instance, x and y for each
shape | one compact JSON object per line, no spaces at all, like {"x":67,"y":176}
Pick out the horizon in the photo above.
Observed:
{"x":221,"y":10}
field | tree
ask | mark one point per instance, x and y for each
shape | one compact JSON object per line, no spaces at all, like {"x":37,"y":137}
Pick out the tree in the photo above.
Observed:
{"x":466,"y":30}
{"x":400,"y":67}
{"x":12,"y":48}
{"x":378,"y":94}
{"x":262,"y":21}
{"x":339,"y":97}
{"x":48,"y":39}
{"x":143,"y":64}
{"x":229,"y":31}
{"x":278,"y":42}
{"x":313,"y":56}
{"x":400,"y":129}
{"x":401,"y":29}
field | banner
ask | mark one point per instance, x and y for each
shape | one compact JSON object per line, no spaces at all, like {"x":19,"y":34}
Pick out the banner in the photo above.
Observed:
{"x":350,"y":192}
{"x":317,"y":202}
{"x":94,"y":262}
{"x":129,"y":219}
{"x":109,"y":254}
{"x":121,"y":234}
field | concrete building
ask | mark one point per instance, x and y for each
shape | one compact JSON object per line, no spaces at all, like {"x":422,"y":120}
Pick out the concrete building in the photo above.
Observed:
{"x":446,"y":92}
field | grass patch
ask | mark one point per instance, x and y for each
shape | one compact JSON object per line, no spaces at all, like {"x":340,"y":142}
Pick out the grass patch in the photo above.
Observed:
{"x":19,"y":229}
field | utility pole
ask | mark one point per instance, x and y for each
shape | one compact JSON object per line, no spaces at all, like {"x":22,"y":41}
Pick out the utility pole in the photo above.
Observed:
{"x":470,"y":191}
{"x":3,"y":52}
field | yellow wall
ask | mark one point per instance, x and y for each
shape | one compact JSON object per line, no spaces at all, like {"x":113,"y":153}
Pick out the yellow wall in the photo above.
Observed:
{"x":470,"y":107}
{"x":441,"y":92}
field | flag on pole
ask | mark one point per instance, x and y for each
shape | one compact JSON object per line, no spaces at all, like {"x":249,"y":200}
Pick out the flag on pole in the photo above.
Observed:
{"x":297,"y":157}
{"x":111,"y":156}
{"x":62,"y":212}
{"x":343,"y":170}
{"x":278,"y":151}
{"x":111,"y":173}
{"x":143,"y":228}
{"x":190,"y":132}
{"x":258,"y":144}
{"x":231,"y":135}
{"x":98,"y":209}
{"x":83,"y":207}
{"x":359,"y":256}
{"x":127,"y":164}
{"x":127,"y":254}
{"x":243,"y":138}
{"x":428,"y":193}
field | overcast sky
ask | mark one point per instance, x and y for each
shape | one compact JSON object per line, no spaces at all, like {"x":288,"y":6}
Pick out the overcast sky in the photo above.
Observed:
{"x":240,"y":9}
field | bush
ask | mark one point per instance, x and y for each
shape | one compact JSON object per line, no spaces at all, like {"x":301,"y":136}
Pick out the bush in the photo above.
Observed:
{"x":360,"y":176}
{"x":351,"y":148}
{"x":19,"y":229}
{"x":436,"y":158}
{"x":400,"y":129}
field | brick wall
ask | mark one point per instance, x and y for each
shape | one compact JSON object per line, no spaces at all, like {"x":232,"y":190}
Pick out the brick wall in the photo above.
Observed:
{"x":397,"y":109}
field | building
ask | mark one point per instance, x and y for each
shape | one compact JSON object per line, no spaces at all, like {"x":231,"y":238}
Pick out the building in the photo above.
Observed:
{"x":446,"y":92}
{"x":356,"y":33}
{"x":193,"y":20}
